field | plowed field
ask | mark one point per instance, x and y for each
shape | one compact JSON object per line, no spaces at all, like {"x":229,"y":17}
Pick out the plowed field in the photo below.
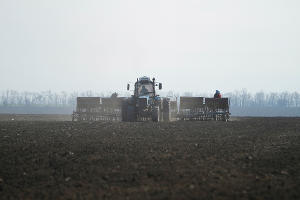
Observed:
{"x":247,"y":158}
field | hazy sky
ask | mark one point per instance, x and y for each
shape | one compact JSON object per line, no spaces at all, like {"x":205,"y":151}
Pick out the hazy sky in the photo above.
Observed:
{"x":189,"y":45}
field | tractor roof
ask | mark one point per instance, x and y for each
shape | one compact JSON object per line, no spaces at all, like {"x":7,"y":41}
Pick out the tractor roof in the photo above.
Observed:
{"x":144,"y":78}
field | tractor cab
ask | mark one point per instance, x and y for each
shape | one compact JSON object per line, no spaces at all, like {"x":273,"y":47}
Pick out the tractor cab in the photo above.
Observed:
{"x":144,"y":87}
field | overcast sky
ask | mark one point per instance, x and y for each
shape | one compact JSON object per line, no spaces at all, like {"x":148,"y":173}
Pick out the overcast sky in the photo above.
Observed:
{"x":188,"y":45}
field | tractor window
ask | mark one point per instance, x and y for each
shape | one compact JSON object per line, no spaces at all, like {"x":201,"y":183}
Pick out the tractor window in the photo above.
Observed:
{"x":145,"y":89}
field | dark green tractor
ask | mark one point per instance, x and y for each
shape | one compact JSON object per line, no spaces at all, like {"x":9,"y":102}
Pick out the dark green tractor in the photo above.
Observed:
{"x":145,"y":104}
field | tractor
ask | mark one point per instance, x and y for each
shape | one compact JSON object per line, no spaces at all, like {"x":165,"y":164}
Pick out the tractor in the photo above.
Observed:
{"x":145,"y":104}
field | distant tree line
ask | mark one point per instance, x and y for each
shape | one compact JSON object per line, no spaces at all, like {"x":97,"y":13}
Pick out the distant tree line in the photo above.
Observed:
{"x":44,"y":98}
{"x":241,"y":98}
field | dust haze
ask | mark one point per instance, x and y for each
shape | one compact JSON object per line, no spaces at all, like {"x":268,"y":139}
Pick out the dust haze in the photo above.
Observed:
{"x":194,"y":46}
{"x":70,"y":129}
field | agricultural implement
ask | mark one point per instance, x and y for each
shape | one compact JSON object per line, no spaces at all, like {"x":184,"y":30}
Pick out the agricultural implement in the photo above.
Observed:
{"x":145,"y":105}
{"x":201,"y":108}
{"x":98,"y":109}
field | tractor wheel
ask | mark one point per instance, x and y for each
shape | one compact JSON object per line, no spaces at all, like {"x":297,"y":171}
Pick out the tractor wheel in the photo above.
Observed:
{"x":155,"y":114}
{"x":166,"y":110}
{"x":124,"y":111}
{"x":226,"y":117}
{"x":131,"y":116}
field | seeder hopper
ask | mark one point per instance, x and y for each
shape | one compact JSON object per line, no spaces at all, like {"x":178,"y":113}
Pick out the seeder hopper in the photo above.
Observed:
{"x":98,"y":109}
{"x":202,"y":108}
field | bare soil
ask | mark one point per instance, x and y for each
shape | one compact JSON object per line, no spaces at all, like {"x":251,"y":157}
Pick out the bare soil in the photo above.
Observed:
{"x":247,"y":158}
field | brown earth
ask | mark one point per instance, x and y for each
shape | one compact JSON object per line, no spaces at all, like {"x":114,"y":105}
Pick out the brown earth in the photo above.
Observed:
{"x":248,"y":158}
{"x":34,"y":117}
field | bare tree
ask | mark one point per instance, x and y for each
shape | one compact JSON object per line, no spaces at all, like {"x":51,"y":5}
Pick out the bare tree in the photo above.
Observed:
{"x":259,"y":99}
{"x":296,"y":99}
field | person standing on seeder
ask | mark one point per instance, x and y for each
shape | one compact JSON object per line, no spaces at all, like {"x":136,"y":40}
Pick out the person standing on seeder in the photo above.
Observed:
{"x":217,"y":95}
